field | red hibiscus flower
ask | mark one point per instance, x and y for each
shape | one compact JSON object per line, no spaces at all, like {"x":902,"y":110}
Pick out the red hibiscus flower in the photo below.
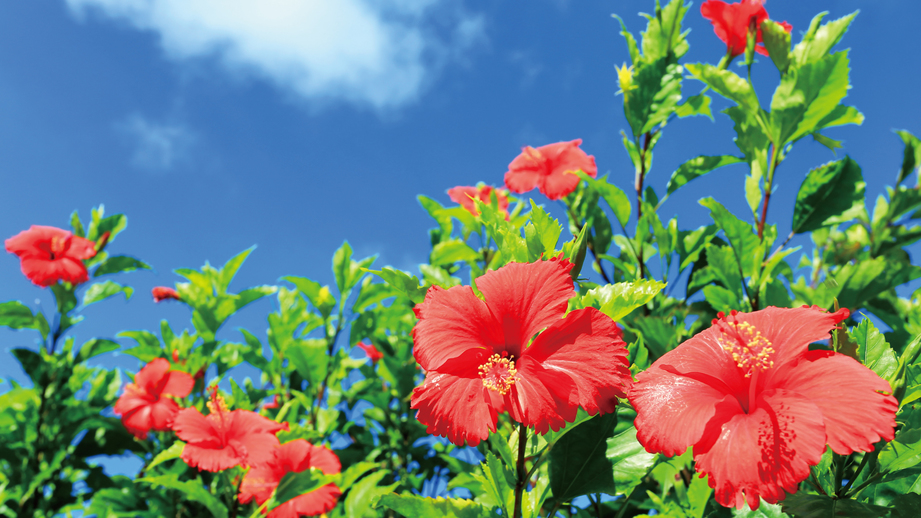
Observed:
{"x":480,"y":359}
{"x":161,"y":293}
{"x":465,"y":196}
{"x":550,"y":168}
{"x":145,"y":406}
{"x":272,"y":404}
{"x":731,"y":22}
{"x":371,"y":351}
{"x":50,"y":255}
{"x":224,"y":439}
{"x":757,"y":405}
{"x":294,"y":456}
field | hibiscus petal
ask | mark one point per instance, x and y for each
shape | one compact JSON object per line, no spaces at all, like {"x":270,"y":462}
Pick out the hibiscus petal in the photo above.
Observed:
{"x":178,"y":384}
{"x":162,"y":414}
{"x":464,"y":196}
{"x":324,"y":460}
{"x":568,"y":159}
{"x":138,"y":421}
{"x":526,"y":171}
{"x":150,"y":378}
{"x":28,"y":242}
{"x":131,"y":400}
{"x":254,"y":432}
{"x":673,"y":410}
{"x":210,"y":459}
{"x":451,"y":323}
{"x":318,"y":501}
{"x":581,"y":361}
{"x":525,"y":298}
{"x":191,"y":426}
{"x":259,"y":483}
{"x":81,"y":248}
{"x":855,"y":413}
{"x":764,"y":454}
{"x":455,"y":407}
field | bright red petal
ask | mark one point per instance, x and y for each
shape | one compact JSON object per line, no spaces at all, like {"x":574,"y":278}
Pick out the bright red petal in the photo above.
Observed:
{"x":464,"y":197}
{"x":34,"y":242}
{"x":259,"y":483}
{"x":765,"y":454}
{"x":451,"y":323}
{"x":256,"y":433}
{"x":318,"y":501}
{"x":673,"y":411}
{"x":855,"y":413}
{"x":178,"y":384}
{"x":569,"y":158}
{"x":324,"y":460}
{"x":191,"y":426}
{"x":579,"y":361}
{"x":151,"y":377}
{"x":45,"y":272}
{"x":455,"y":406}
{"x":133,"y":398}
{"x":81,"y":248}
{"x":525,"y":298}
{"x":526,"y":171}
{"x":212,"y":459}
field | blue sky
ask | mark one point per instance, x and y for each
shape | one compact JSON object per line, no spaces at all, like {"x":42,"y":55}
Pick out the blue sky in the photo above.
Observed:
{"x":300,"y":124}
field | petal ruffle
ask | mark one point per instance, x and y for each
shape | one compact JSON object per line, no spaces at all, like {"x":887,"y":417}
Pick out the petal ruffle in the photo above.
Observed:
{"x":191,"y":426}
{"x":579,"y":361}
{"x":459,"y":408}
{"x":212,"y":459}
{"x":451,"y":323}
{"x":855,"y":412}
{"x":673,"y":411}
{"x":526,"y":171}
{"x":259,"y":483}
{"x":764,"y":454}
{"x":525,"y":298}
{"x":150,"y":378}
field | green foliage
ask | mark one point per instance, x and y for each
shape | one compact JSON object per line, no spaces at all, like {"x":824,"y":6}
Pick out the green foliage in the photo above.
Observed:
{"x":578,"y":462}
{"x":830,"y":195}
{"x":697,"y":167}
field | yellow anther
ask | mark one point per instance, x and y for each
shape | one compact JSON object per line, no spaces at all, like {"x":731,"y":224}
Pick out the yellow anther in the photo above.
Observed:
{"x":748,"y":347}
{"x":498,"y":374}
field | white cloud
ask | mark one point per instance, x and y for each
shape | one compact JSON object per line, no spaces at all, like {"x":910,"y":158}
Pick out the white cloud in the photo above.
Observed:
{"x":157,"y":146}
{"x":378,"y":53}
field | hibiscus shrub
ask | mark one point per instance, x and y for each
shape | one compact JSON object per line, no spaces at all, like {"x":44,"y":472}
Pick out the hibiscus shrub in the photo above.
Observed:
{"x":705,"y":374}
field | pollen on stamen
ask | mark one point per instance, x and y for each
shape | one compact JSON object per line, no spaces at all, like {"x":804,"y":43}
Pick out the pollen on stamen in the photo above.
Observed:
{"x":217,"y":404}
{"x":748,"y":347}
{"x":498,"y":374}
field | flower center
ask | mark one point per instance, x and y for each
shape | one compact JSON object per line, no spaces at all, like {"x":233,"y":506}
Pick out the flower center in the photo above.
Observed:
{"x":498,"y":374}
{"x":57,"y":246}
{"x":749,"y":348}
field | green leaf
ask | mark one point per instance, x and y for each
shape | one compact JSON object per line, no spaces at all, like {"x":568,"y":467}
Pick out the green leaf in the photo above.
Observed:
{"x":452,"y":251}
{"x":696,"y":167}
{"x":358,"y":503}
{"x":906,"y":506}
{"x":629,"y":459}
{"x":742,"y":238}
{"x":103,"y":290}
{"x":695,"y":105}
{"x":231,"y":267}
{"x":619,"y":300}
{"x":663,"y":37}
{"x":578,"y":462}
{"x":575,"y":251}
{"x":721,"y":298}
{"x":612,"y":194}
{"x":173,"y":452}
{"x":436,"y":211}
{"x":656,"y":96}
{"x":95,"y":347}
{"x":765,"y":510}
{"x":632,"y":47}
{"x":403,"y":282}
{"x":911,"y":159}
{"x":421,"y":507}
{"x":113,"y":224}
{"x":727,"y":84}
{"x":309,"y":358}
{"x":904,"y":451}
{"x":120,"y":263}
{"x":295,"y":484}
{"x":818,"y":41}
{"x":803,"y":505}
{"x":807,"y":95}
{"x":858,"y":283}
{"x":318,"y":295}
{"x":193,"y":490}
{"x":873,"y":350}
{"x":342,"y":259}
{"x":830,"y":194}
{"x":542,"y":233}
{"x":498,"y":482}
{"x":16,"y":315}
{"x":777,"y":43}
{"x":840,"y":116}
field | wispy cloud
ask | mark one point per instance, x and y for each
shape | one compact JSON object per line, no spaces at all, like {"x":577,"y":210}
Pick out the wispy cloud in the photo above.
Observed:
{"x":376,"y":53}
{"x":156,"y":146}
